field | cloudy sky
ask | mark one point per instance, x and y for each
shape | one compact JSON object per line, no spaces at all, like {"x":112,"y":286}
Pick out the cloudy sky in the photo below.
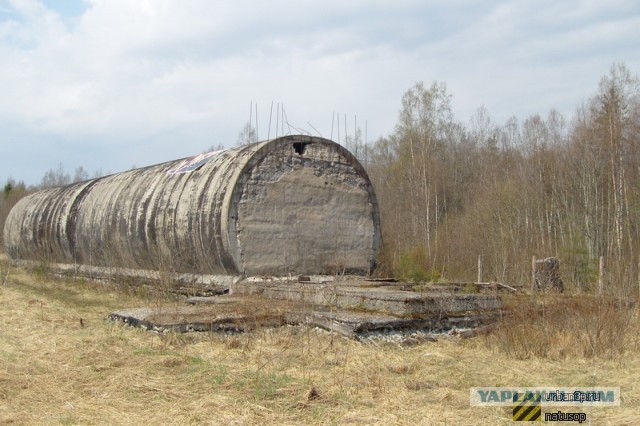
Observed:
{"x":109,"y":84}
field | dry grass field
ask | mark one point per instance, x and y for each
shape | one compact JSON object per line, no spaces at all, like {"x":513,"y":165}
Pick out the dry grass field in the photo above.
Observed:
{"x":62,"y":362}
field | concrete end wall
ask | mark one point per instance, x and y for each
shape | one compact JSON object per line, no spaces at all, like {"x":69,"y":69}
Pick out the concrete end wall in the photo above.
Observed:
{"x":305,"y":205}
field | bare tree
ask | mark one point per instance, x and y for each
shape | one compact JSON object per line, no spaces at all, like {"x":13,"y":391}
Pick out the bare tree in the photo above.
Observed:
{"x":80,"y":175}
{"x":53,"y":178}
{"x":247,"y":135}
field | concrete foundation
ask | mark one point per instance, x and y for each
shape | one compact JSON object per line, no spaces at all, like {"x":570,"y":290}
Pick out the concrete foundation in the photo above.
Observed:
{"x":352,"y":307}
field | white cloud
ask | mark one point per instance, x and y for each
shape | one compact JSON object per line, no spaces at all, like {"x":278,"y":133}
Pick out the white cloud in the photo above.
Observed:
{"x":178,"y":76}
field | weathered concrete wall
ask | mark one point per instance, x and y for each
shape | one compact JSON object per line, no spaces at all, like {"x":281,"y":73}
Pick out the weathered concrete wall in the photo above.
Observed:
{"x":295,"y":204}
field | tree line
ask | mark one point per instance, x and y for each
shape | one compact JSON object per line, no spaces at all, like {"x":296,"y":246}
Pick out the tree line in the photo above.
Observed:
{"x":450,"y":192}
{"x":546,"y":186}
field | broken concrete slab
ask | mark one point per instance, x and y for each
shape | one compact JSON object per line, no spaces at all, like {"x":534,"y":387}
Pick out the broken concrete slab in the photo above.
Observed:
{"x":362,"y":296}
{"x":348,"y":323}
{"x":222,"y":317}
{"x":350,"y":307}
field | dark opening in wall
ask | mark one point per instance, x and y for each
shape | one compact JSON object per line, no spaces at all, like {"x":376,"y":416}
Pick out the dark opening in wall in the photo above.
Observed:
{"x":299,"y":147}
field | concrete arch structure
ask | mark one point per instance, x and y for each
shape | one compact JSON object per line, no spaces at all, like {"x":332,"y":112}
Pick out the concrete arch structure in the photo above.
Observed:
{"x":294,"y":204}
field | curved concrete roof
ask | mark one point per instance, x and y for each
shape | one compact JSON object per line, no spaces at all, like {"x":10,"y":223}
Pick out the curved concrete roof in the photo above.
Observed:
{"x":295,"y":204}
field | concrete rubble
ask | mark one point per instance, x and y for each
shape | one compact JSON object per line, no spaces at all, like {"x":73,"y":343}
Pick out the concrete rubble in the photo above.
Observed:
{"x":354,"y":307}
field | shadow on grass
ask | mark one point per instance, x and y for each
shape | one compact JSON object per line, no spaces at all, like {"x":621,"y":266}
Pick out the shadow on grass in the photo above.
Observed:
{"x":65,"y":293}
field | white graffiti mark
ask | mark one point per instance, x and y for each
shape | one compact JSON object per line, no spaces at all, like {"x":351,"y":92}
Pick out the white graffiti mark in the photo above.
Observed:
{"x":193,"y":163}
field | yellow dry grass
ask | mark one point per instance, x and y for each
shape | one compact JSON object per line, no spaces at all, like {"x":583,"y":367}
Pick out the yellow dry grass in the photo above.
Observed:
{"x":62,"y":362}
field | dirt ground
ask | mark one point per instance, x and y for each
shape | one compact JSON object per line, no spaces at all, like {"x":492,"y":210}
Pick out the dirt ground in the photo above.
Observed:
{"x":63,"y":362}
